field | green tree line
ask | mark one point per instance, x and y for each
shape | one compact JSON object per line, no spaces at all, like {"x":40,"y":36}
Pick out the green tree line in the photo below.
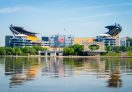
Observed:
{"x":21,"y":50}
{"x":118,"y":49}
{"x":76,"y":49}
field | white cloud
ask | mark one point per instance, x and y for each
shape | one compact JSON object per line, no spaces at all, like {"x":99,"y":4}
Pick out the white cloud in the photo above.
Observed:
{"x":102,"y":15}
{"x":17,"y":9}
{"x":9,"y":10}
{"x":105,"y":6}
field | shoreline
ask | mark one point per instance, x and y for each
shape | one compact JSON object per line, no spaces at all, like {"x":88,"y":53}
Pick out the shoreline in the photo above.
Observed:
{"x":71,"y":56}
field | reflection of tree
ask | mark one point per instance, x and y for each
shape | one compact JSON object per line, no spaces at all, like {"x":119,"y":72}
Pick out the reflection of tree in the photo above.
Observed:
{"x":84,"y":65}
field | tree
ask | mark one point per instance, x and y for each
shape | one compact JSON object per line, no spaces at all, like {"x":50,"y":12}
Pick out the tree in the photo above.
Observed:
{"x":26,"y":50}
{"x":2,"y":51}
{"x":68,"y":51}
{"x":108,"y":48}
{"x":9,"y":51}
{"x":123,"y":48}
{"x":93,"y":47}
{"x":77,"y":49}
{"x":116,"y":49}
{"x":33,"y":51}
{"x":38,"y":48}
{"x":18,"y":51}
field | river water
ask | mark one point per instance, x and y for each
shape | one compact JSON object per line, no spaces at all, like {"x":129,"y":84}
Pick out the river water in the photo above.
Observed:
{"x":65,"y":74}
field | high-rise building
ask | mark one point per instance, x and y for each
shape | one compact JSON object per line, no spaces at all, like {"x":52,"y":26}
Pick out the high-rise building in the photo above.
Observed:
{"x":126,"y":41}
{"x":123,"y":41}
{"x":8,"y":40}
{"x":45,"y":40}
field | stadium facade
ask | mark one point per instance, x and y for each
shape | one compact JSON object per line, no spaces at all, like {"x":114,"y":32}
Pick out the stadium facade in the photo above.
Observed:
{"x":21,"y":37}
{"x":57,"y":41}
{"x":83,"y":41}
{"x":112,"y":37}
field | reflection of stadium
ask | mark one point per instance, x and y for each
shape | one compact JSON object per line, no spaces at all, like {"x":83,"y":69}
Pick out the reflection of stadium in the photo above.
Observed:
{"x":22,"y":37}
{"x":22,"y":70}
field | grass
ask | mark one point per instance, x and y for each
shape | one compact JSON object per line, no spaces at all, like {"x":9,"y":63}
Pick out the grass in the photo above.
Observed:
{"x":118,"y":54}
{"x":113,"y":54}
{"x":129,"y":53}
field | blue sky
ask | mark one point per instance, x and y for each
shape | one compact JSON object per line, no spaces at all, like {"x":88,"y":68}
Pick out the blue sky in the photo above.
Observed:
{"x":80,"y":18}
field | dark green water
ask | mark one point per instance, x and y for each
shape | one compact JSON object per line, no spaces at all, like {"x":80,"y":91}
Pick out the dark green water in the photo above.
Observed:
{"x":65,"y":75}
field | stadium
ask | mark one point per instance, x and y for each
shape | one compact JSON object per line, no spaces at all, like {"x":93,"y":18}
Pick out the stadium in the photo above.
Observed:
{"x":22,"y":37}
{"x":112,"y":37}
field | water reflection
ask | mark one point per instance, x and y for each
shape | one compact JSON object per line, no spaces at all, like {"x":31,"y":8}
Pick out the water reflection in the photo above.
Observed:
{"x":22,"y":70}
{"x":53,"y":67}
{"x":117,"y":68}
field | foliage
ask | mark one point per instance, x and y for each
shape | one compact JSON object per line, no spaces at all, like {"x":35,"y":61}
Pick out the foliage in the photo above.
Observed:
{"x":93,"y":47}
{"x":21,"y":51}
{"x":8,"y":50}
{"x":73,"y":50}
{"x":68,"y":51}
{"x":78,"y":49}
{"x":129,"y":53}
{"x":38,"y":48}
{"x":118,"y":49}
{"x":2,"y":51}
{"x":123,"y":48}
{"x":108,"y":48}
{"x":113,"y":54}
{"x":26,"y":50}
{"x":17,"y":51}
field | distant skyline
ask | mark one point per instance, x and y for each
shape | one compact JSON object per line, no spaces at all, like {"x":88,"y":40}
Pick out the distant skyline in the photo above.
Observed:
{"x":80,"y":18}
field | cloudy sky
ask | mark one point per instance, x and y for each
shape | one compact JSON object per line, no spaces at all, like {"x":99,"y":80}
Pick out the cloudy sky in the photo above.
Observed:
{"x":80,"y":18}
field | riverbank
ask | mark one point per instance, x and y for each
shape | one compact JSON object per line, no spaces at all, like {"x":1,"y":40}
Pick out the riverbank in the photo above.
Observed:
{"x":70,"y":56}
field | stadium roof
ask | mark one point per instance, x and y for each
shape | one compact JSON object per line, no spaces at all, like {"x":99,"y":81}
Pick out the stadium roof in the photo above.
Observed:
{"x":114,"y":29}
{"x":20,"y":30}
{"x":104,"y":35}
